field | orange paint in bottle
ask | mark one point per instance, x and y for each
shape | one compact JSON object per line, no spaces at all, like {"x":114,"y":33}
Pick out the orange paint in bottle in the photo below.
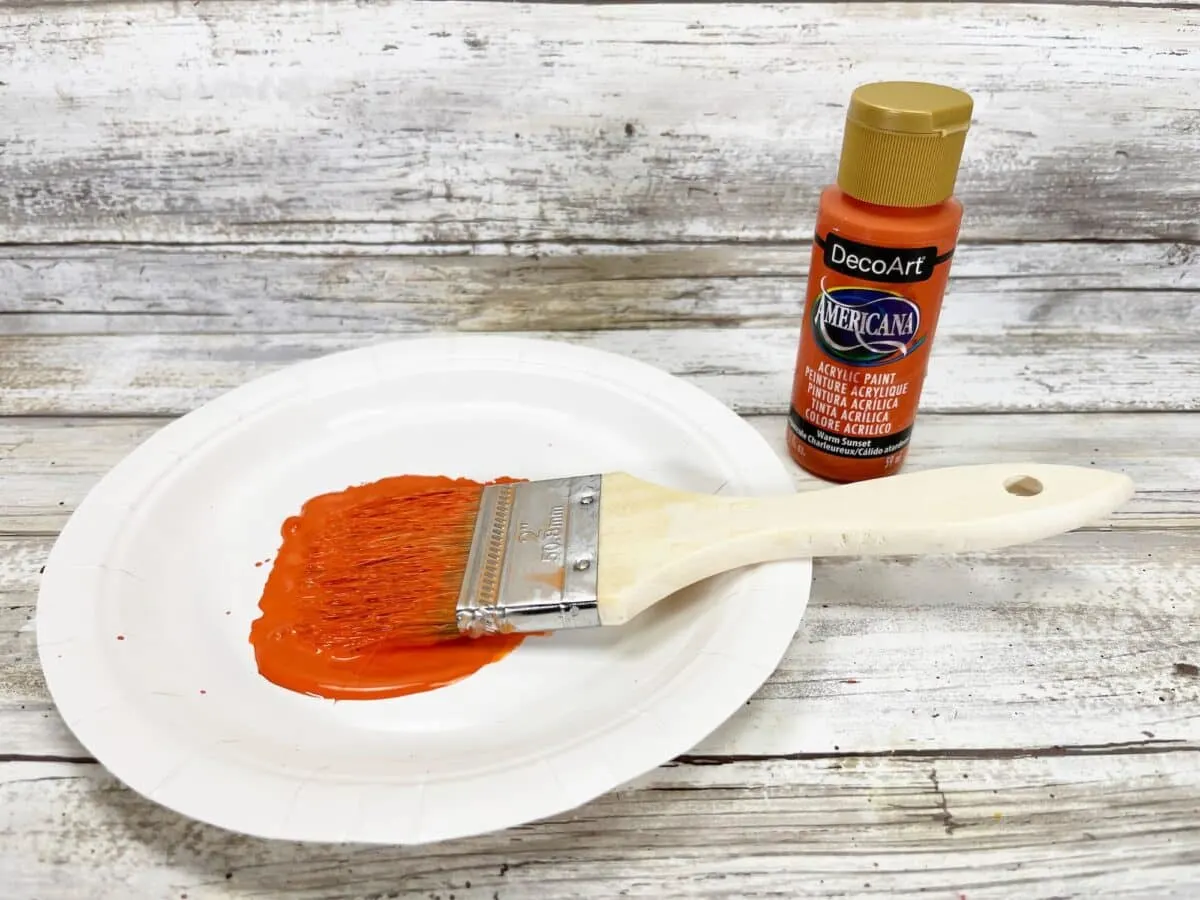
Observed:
{"x":885,"y":234}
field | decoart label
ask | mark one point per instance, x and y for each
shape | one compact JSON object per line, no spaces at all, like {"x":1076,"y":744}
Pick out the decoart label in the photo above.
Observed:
{"x":887,"y":265}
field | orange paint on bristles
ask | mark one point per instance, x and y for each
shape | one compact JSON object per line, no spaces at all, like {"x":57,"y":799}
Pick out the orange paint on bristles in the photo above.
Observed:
{"x":360,"y":600}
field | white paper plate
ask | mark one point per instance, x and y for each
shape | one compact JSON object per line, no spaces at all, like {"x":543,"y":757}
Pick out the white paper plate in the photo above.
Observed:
{"x":165,"y":545}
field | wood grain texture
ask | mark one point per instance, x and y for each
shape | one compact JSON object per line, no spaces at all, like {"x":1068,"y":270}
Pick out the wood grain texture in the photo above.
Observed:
{"x":1138,"y":291}
{"x":749,"y":369}
{"x":158,"y":331}
{"x":463,"y":121}
{"x":1108,"y":824}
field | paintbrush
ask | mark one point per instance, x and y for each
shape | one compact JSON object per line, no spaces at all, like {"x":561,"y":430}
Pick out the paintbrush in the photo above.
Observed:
{"x":597,"y":550}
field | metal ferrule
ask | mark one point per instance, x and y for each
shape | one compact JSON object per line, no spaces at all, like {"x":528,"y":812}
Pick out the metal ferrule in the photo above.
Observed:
{"x":533,"y":563}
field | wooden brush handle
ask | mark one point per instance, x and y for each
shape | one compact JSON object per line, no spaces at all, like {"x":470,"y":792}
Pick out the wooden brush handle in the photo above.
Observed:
{"x":951,"y":510}
{"x":673,"y":539}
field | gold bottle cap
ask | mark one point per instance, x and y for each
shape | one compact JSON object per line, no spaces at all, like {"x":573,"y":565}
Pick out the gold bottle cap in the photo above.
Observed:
{"x":903,"y":142}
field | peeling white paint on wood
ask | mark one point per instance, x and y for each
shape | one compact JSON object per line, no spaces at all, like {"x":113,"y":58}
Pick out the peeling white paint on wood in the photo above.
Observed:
{"x":462,"y":121}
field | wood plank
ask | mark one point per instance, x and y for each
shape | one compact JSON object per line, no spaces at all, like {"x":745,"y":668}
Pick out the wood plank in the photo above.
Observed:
{"x":1036,"y":330}
{"x":1109,"y":825}
{"x":484,"y":121}
{"x":1081,"y":639}
{"x":48,"y":465}
{"x":748,"y":369}
{"x":1136,"y":290}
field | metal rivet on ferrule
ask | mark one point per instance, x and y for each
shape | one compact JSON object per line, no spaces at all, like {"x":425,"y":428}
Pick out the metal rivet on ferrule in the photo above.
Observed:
{"x":587,"y":499}
{"x":582,"y":565}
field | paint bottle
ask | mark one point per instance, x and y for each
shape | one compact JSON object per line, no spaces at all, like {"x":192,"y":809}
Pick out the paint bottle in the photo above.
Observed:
{"x":885,"y":233}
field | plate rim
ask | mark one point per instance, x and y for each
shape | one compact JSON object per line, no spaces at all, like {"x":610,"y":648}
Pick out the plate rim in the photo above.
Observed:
{"x":63,"y":572}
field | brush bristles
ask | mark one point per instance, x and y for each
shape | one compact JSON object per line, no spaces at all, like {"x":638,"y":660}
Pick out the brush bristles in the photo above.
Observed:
{"x":388,"y":567}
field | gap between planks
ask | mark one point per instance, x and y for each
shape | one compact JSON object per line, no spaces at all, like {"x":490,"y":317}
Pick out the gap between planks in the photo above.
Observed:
{"x":1121,"y":748}
{"x":514,"y":246}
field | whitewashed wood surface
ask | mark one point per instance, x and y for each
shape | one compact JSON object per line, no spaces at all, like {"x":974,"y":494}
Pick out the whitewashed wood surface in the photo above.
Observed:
{"x":192,"y":194}
{"x":499,"y":121}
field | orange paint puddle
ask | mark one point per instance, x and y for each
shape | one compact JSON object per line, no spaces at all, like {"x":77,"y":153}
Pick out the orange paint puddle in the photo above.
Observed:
{"x":289,"y":646}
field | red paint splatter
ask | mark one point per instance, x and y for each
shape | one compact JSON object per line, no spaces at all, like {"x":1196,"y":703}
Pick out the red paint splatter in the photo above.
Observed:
{"x":851,"y":681}
{"x":120,"y":637}
{"x":258,"y":565}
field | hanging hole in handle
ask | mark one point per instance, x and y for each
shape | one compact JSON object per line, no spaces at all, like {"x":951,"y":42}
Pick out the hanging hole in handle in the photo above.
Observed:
{"x":1023,"y":486}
